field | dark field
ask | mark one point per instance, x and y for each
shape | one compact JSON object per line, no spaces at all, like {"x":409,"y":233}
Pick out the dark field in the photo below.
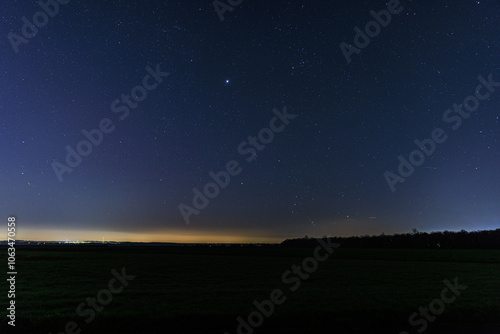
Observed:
{"x":203,"y":290}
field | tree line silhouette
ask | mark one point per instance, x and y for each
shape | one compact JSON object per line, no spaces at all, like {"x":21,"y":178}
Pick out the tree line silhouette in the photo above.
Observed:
{"x":418,"y":240}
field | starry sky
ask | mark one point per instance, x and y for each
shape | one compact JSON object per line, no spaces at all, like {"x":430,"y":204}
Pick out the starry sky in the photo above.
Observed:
{"x":212,"y":84}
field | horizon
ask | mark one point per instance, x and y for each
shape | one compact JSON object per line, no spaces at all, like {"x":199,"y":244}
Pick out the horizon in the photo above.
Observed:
{"x":233,"y":239}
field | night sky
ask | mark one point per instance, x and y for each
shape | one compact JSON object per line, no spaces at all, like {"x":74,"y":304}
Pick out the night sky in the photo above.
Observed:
{"x":321,"y":170}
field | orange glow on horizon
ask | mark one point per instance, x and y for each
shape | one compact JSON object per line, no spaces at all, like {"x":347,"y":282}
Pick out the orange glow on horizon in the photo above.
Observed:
{"x":160,"y":236}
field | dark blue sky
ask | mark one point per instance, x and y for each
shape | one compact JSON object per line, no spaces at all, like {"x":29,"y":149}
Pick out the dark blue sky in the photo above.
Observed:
{"x":323,"y":174}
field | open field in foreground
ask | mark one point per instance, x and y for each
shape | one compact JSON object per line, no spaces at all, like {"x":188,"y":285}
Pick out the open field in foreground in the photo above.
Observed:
{"x":204,"y":290}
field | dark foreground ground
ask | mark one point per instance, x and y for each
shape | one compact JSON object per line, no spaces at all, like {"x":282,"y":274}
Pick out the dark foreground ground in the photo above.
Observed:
{"x":204,"y":290}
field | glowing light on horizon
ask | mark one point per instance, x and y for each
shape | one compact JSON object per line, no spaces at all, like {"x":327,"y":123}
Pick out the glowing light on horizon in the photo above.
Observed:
{"x":154,"y":236}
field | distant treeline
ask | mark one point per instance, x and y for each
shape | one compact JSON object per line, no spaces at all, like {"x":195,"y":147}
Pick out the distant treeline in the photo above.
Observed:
{"x":416,"y":239}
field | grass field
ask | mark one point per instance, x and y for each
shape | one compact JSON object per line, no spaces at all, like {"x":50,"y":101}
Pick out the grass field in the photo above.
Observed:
{"x":188,"y":289}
